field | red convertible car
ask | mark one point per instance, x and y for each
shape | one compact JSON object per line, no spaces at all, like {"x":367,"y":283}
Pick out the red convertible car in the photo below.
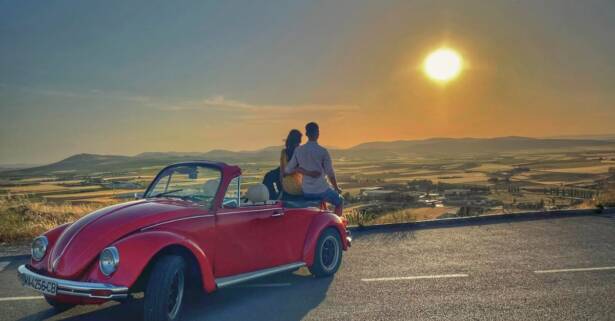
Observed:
{"x":194,"y":225}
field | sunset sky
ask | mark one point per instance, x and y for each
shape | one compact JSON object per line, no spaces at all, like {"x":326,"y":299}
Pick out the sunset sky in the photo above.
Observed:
{"x":124,"y":77}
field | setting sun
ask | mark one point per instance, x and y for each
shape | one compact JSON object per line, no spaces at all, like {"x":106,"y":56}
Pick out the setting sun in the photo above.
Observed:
{"x":443,"y":65}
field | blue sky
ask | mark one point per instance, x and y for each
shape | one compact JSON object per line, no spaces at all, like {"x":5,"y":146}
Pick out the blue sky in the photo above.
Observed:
{"x":123,"y":77}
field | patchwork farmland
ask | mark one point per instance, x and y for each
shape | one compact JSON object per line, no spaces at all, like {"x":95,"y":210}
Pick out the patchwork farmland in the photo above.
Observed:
{"x":381,"y":185}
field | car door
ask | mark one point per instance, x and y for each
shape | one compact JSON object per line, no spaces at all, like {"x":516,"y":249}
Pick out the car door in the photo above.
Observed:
{"x":240,"y":246}
{"x":283,"y":234}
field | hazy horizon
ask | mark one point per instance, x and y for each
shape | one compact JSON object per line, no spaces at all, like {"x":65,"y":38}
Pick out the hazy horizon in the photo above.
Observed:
{"x":607,"y":137}
{"x":125,"y":77}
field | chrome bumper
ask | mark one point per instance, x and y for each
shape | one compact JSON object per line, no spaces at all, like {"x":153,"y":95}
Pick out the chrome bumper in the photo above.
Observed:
{"x":349,"y":238}
{"x":79,"y":289}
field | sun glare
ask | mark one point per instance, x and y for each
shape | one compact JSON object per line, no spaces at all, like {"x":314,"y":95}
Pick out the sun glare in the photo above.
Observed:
{"x":443,"y":65}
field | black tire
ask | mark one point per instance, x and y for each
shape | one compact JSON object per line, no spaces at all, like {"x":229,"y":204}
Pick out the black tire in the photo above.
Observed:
{"x":58,"y":306}
{"x":328,"y":254}
{"x":165,"y":290}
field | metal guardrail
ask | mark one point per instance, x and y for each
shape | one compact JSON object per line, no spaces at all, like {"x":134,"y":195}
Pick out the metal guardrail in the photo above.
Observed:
{"x":484,"y":219}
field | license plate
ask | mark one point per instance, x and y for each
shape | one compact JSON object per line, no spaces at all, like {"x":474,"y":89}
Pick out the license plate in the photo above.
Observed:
{"x":44,"y":286}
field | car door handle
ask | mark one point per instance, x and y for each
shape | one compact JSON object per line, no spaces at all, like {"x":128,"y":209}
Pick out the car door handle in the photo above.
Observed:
{"x":277,"y":213}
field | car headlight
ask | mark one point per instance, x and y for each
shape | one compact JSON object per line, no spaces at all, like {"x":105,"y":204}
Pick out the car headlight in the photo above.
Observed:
{"x":109,"y":260}
{"x":39,"y":247}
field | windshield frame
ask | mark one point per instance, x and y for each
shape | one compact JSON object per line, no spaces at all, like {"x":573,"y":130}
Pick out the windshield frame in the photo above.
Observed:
{"x":162,"y":172}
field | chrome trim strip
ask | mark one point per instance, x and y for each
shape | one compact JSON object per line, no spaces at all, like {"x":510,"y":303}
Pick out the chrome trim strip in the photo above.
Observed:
{"x":239,"y":191}
{"x":54,"y":264}
{"x":177,"y":220}
{"x":249,"y":211}
{"x":230,"y":280}
{"x":76,"y":288}
{"x":202,"y":216}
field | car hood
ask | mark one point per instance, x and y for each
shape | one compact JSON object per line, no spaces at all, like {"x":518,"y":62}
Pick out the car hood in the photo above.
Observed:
{"x":81,"y":243}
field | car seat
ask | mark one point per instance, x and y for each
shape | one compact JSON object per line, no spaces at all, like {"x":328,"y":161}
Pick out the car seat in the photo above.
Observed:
{"x":258,"y":194}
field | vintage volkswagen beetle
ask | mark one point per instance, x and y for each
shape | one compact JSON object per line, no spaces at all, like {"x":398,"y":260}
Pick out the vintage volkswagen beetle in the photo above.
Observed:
{"x":194,"y":225}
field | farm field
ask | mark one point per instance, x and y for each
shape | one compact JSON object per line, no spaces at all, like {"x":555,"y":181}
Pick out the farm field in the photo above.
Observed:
{"x":412,"y":187}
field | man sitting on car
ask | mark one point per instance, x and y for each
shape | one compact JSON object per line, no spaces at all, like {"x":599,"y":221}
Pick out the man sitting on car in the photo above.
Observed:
{"x":313,"y":157}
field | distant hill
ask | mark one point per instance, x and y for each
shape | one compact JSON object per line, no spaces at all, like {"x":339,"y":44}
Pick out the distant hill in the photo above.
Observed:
{"x":477,"y":145}
{"x":8,"y":167}
{"x":91,"y":163}
{"x":75,"y":163}
{"x":84,"y":164}
{"x":610,"y":137}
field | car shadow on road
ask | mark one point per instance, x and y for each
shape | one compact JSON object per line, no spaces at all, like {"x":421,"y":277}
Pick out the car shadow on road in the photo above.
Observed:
{"x":288,"y":297}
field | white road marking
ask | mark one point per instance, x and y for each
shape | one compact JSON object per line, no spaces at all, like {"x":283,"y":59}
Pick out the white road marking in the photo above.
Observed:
{"x":3,"y":265}
{"x":419,"y":277}
{"x":603,"y":268}
{"x":19,"y":298}
{"x":264,"y":285}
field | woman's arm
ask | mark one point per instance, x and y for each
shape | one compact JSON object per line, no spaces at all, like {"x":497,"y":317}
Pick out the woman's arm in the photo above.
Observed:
{"x":291,"y":167}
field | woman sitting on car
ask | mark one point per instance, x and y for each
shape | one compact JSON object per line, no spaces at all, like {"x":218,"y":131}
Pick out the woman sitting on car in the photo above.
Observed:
{"x":288,"y":185}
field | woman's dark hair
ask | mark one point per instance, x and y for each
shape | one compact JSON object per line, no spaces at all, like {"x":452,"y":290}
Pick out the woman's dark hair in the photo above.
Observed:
{"x":293,"y":140}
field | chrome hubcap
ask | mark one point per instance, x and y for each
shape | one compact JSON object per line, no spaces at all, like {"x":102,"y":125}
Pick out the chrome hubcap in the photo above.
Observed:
{"x":330,"y":253}
{"x":176,"y":293}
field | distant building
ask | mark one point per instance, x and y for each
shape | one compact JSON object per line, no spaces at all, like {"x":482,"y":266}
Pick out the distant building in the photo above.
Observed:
{"x":457,"y":192}
{"x":369,"y":189}
{"x":377,"y":194}
{"x":122,"y":185}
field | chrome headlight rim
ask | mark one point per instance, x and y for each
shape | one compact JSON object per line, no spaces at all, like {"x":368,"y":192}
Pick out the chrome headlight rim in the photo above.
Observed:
{"x":39,"y":253}
{"x":113,"y":255}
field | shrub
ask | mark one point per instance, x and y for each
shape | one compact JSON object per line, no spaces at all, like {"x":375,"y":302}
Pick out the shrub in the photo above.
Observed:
{"x":21,"y":218}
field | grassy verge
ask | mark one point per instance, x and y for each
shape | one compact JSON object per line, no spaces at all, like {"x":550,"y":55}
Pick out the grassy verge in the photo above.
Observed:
{"x":22,"y":219}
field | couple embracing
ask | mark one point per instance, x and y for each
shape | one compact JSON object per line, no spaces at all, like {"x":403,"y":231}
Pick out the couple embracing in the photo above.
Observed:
{"x":304,"y":170}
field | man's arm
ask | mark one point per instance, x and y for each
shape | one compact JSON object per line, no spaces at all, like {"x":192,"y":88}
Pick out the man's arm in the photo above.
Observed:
{"x":328,"y":167}
{"x":304,"y":171}
{"x":334,"y":183}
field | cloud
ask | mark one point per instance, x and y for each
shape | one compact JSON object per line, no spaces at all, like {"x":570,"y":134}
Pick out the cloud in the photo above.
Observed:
{"x":223,"y":107}
{"x":91,"y":93}
{"x":230,"y":109}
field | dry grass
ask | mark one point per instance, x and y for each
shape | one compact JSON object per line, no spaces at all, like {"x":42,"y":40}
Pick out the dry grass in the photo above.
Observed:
{"x":23,"y":219}
{"x":49,"y":188}
{"x":95,"y":194}
{"x":357,"y":216}
{"x":606,"y":198}
{"x":412,"y":215}
{"x":599,"y":169}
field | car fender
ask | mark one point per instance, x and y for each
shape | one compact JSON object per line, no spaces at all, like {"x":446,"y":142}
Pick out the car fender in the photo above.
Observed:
{"x":52,"y":236}
{"x":319,"y":224}
{"x":137,"y":251}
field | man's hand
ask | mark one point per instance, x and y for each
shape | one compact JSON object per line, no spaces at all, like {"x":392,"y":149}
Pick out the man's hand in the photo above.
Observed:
{"x":313,"y":174}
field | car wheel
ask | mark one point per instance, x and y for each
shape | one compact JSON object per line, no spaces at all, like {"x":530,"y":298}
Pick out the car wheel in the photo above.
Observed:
{"x":165,"y":290}
{"x":58,"y":306}
{"x":328,"y":255}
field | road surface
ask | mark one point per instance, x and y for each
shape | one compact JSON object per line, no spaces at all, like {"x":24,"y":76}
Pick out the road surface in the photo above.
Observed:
{"x":552,"y":269}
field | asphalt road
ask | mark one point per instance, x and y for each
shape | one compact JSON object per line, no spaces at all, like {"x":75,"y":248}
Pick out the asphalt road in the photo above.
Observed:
{"x":552,"y":269}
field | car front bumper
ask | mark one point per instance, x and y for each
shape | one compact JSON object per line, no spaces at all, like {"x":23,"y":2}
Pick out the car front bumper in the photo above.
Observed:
{"x":74,"y":288}
{"x":348,"y":238}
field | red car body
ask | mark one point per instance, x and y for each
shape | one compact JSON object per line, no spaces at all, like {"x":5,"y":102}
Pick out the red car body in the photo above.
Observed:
{"x":225,"y":246}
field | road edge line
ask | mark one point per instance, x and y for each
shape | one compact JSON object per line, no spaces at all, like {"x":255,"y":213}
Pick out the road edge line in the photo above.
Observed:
{"x":600,"y":268}
{"x":418,"y":277}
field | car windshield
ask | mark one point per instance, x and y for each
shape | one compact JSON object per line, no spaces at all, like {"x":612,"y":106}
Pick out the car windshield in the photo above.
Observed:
{"x":188,"y":182}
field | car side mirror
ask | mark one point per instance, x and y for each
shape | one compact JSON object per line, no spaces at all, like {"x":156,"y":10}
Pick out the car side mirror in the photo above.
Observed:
{"x":138,"y":196}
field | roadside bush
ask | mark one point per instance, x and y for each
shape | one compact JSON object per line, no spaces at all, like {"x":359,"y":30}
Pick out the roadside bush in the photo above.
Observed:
{"x":22,"y":218}
{"x":606,"y":199}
